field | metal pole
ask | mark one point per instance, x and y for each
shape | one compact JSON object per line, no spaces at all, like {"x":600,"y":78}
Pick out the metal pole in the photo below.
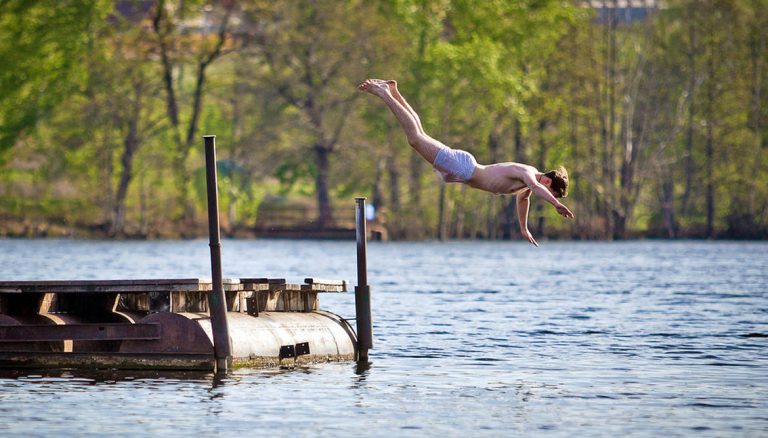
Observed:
{"x":217,"y":302}
{"x":362,"y":291}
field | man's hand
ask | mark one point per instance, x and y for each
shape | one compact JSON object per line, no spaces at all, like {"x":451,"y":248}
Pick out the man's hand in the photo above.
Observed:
{"x":564,"y":211}
{"x":528,"y":236}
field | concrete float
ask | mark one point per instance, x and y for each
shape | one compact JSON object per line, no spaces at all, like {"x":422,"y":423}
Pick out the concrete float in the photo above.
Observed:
{"x":183,"y":324}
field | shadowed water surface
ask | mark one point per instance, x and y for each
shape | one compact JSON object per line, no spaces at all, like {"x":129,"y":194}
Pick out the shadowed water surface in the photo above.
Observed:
{"x":471,"y":339}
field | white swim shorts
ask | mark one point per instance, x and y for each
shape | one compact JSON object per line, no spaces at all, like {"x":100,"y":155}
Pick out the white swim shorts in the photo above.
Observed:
{"x":454,"y":165}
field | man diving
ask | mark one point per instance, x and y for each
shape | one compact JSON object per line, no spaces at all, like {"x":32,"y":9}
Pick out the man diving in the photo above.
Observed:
{"x":460,"y":166}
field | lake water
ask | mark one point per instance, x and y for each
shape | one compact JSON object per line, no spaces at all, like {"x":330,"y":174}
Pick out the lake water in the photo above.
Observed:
{"x":471,"y":339}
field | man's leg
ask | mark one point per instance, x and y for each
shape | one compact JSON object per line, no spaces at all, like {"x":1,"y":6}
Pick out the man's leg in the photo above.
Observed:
{"x":425,"y":145}
{"x":396,"y":94}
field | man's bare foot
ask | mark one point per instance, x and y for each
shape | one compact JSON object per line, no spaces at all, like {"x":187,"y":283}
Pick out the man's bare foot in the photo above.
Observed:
{"x":392,"y":84}
{"x":376,"y":87}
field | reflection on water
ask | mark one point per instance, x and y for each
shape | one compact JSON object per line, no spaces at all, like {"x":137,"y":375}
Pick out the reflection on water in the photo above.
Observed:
{"x":471,"y":338}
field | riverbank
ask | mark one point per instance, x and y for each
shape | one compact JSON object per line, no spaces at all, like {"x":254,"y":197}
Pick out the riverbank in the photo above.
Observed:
{"x":31,"y":229}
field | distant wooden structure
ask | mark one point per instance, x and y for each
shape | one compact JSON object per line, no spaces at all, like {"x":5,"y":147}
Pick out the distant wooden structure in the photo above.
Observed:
{"x":296,"y":221}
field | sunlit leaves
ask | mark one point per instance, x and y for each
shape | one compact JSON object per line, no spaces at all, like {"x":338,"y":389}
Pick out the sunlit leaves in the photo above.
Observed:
{"x":42,"y":45}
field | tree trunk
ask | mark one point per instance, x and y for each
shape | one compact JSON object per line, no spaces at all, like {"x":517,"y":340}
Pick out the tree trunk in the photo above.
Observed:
{"x":324,"y":218}
{"x":624,"y":204}
{"x":579,"y":223}
{"x":619,"y":225}
{"x":492,"y":219}
{"x":605,"y":108}
{"x":130,"y":145}
{"x":667,"y":205}
{"x":233,"y":157}
{"x":377,"y":196}
{"x":542,"y":159}
{"x":442,"y":229}
{"x":394,"y":191}
{"x":689,"y":162}
{"x":757,"y":53}
{"x":414,"y":216}
{"x":170,"y":93}
{"x":511,"y":225}
{"x":710,"y":198}
{"x":414,"y":197}
{"x":394,"y":184}
{"x":461,"y":212}
{"x":611,"y":89}
{"x":709,"y":149}
{"x":520,"y":155}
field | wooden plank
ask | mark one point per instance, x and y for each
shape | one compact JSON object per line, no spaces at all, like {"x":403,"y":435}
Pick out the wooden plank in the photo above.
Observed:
{"x":116,"y":286}
{"x":107,"y":286}
{"x":310,"y":301}
{"x":255,"y":280}
{"x":189,"y":301}
{"x":255,"y":287}
{"x":133,"y":302}
{"x":272,"y":301}
{"x":262,"y":280}
{"x":324,"y":285}
{"x":124,"y":282}
{"x":236,"y":300}
{"x":325,"y":281}
{"x":284,"y":287}
{"x":323,"y":288}
{"x":79,"y":332}
{"x":282,"y":301}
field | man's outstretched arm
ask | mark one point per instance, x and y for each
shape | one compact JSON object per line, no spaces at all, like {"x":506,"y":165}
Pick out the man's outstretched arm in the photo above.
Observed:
{"x":523,"y":200}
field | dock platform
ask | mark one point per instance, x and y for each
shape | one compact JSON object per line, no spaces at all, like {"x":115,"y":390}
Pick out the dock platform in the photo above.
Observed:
{"x":165,"y":323}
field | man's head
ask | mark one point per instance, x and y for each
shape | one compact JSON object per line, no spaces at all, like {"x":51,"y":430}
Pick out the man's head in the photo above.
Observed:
{"x":558,"y":182}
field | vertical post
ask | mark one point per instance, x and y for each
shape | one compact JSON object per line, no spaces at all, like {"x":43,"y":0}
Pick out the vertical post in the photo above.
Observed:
{"x":217,"y":303}
{"x":362,"y":291}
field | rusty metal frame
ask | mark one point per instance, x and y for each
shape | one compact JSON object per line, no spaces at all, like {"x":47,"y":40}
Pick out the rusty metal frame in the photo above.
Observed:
{"x":79,"y":332}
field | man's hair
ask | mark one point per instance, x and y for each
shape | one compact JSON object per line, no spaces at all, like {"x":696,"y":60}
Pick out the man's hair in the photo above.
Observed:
{"x":559,"y":179}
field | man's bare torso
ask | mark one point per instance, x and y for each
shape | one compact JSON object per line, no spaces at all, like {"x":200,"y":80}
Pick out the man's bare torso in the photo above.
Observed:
{"x":502,"y":178}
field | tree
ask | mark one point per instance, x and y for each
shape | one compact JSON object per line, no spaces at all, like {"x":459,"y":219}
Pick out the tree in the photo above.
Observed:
{"x":200,"y":48}
{"x":129,"y":83}
{"x":42,"y":47}
{"x":314,"y":57}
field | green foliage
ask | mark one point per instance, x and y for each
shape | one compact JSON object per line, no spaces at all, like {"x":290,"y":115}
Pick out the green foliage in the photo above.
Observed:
{"x":661,"y":122}
{"x":43,"y":45}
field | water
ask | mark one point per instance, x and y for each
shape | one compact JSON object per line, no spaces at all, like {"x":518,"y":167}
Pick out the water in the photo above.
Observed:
{"x":471,"y":339}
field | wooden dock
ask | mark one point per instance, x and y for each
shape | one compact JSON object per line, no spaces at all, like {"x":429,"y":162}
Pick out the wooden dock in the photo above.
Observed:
{"x":151,"y":323}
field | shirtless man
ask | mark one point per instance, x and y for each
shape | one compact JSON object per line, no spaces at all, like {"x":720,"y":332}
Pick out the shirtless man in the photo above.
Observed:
{"x":460,"y":166}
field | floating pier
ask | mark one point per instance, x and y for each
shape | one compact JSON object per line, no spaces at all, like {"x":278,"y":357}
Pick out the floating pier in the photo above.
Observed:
{"x":183,"y":323}
{"x":166,"y":324}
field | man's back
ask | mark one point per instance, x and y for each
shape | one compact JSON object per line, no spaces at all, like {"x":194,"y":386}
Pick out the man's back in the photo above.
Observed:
{"x":502,"y":178}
